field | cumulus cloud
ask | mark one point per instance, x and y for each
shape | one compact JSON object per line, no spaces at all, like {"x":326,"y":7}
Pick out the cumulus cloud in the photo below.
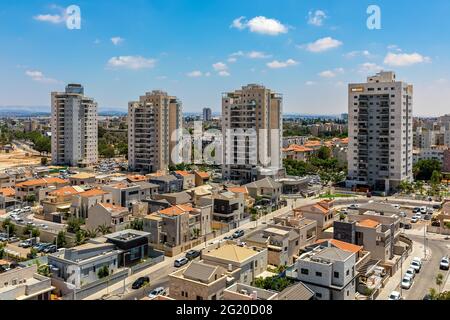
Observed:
{"x":261,"y":25}
{"x":117,"y":40}
{"x":220,"y":66}
{"x":195,"y":74}
{"x":331,"y":73}
{"x":316,"y":18}
{"x":39,"y":76}
{"x":356,"y":53}
{"x":323,"y":44}
{"x":369,"y":67}
{"x":310,"y":83}
{"x":224,"y":73}
{"x":405,"y":59}
{"x":258,"y":55}
{"x":131,"y":62}
{"x":56,"y":18}
{"x":281,"y":64}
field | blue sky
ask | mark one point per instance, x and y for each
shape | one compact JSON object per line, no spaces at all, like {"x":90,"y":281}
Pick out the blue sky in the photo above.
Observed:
{"x":197,"y":49}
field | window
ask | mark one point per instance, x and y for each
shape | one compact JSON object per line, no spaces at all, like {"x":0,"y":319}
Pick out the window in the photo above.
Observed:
{"x":318,"y":295}
{"x":318,"y":274}
{"x":304,"y":271}
{"x":336,"y":274}
{"x":348,"y":272}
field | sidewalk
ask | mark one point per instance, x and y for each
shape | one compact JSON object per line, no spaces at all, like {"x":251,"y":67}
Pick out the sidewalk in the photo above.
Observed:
{"x":394,"y":282}
{"x":157,"y":271}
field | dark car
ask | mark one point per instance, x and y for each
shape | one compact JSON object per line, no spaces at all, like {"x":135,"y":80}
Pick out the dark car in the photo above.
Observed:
{"x":192,"y":254}
{"x":416,"y":210}
{"x":238,"y":234}
{"x":50,"y":249}
{"x":407,"y":226}
{"x":139,"y":283}
{"x":437,"y":206}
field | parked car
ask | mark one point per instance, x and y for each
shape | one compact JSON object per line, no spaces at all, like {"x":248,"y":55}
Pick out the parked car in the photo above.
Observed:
{"x":406,"y":282}
{"x":416,"y":210}
{"x":416,"y":266}
{"x":410,"y":273}
{"x":353,"y":207}
{"x":139,"y":283}
{"x":444,"y":263}
{"x":395,"y":295}
{"x":396,"y":206}
{"x":423,"y":210}
{"x":238,"y":234}
{"x":160,"y":291}
{"x":192,"y":254}
{"x":427,"y":217}
{"x":402,"y":214}
{"x":180,"y":262}
{"x":418,"y":260}
{"x":414,"y":219}
{"x":50,"y":249}
{"x":25,"y":244}
{"x":437,"y":206}
{"x":228,"y":238}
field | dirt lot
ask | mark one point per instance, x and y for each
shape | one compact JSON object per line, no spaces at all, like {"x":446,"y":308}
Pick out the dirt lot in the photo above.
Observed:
{"x":17,"y":158}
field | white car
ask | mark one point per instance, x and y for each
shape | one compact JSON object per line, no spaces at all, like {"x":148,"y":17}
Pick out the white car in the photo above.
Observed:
{"x":414,"y":219}
{"x":423,"y":210}
{"x":416,"y":266}
{"x":444,"y":263}
{"x":410,"y":273}
{"x":157,"y":292}
{"x":406,"y":282}
{"x":418,"y":260}
{"x":402,"y":214}
{"x":395,"y":295}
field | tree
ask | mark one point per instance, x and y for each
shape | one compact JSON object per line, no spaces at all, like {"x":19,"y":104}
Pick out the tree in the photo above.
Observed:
{"x":137,"y":224}
{"x":35,"y":233}
{"x":74,"y":225}
{"x":90,"y":234}
{"x":60,"y":240}
{"x":7,"y":225}
{"x":275,"y":283}
{"x":103,"y":272}
{"x":44,"y":161}
{"x":436,"y":177}
{"x":439,"y":281}
{"x":423,"y":169}
{"x":104,"y":229}
{"x":32,"y":254}
{"x":324,"y":153}
{"x":80,"y":237}
{"x":30,"y":198}
{"x":44,"y":270}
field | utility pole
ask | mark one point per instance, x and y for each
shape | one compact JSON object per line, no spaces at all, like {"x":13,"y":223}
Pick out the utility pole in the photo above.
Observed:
{"x":425,"y":242}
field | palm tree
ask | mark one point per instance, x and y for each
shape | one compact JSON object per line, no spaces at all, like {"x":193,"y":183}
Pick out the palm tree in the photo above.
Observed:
{"x":91,"y":233}
{"x":104,"y":229}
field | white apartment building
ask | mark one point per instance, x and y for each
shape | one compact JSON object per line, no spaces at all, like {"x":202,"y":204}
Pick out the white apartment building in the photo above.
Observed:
{"x":252,"y":130}
{"x":154,"y":130}
{"x":74,"y":125}
{"x":380,"y":132}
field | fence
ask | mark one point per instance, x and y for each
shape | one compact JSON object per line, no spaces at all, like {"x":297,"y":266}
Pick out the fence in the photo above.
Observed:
{"x":150,"y":262}
{"x":438,"y":230}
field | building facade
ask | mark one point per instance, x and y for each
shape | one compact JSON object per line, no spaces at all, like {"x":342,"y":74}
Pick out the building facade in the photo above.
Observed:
{"x":252,"y":131}
{"x":380,"y":132}
{"x":154,"y":129}
{"x":74,"y":125}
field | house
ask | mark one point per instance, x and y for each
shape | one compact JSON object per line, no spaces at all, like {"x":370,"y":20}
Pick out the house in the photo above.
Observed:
{"x":80,"y":265}
{"x":127,"y":194}
{"x":30,"y":188}
{"x":8,"y":192}
{"x":167,"y":183}
{"x":199,"y":192}
{"x":228,"y":207}
{"x":136,"y":178}
{"x":266,"y":189}
{"x":329,"y":272}
{"x":201,"y":178}
{"x":296,"y":292}
{"x":82,"y":202}
{"x":243,"y":292}
{"x":297,"y":153}
{"x":133,"y":245}
{"x":188,"y":179}
{"x":379,"y":207}
{"x":60,"y":200}
{"x":175,"y":198}
{"x":378,"y":234}
{"x":83,"y":178}
{"x":249,"y":201}
{"x":248,"y":263}
{"x":25,"y":284}
{"x":284,"y":238}
{"x":109,"y":215}
{"x":322,"y":212}
{"x":198,"y":281}
{"x":6,"y":181}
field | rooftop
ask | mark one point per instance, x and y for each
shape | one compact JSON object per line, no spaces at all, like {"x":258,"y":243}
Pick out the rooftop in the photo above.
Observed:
{"x":231,"y":252}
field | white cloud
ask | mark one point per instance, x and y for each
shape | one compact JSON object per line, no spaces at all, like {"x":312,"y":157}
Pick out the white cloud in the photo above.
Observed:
{"x":369,"y":67}
{"x":363,"y":53}
{"x":195,"y":74}
{"x":404,"y":59}
{"x":316,"y":18}
{"x":394,"y":47}
{"x":224,"y":73}
{"x":258,"y":55}
{"x":131,"y":62}
{"x":51,"y":18}
{"x":310,"y":83}
{"x":232,"y":60}
{"x":237,"y":23}
{"x":237,"y":54}
{"x":261,"y":25}
{"x":327,"y":74}
{"x":117,"y":40}
{"x":281,"y":64}
{"x":207,"y":74}
{"x":220,"y":66}
{"x":38,"y":76}
{"x":323,"y":44}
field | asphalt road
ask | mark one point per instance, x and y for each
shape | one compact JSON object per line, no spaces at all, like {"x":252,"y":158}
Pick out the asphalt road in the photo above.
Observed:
{"x":426,"y":279}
